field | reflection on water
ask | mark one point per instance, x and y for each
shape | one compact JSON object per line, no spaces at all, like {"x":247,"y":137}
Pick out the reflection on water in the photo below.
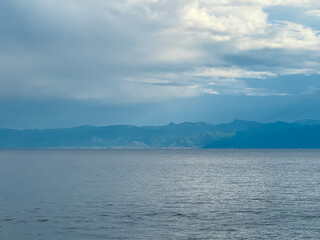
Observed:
{"x":159,"y":194}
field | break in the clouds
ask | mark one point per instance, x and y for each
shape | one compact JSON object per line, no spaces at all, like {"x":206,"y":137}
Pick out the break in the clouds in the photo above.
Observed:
{"x":154,"y":50}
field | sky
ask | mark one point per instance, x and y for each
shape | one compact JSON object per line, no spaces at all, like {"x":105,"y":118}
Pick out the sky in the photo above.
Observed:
{"x":67,"y":63}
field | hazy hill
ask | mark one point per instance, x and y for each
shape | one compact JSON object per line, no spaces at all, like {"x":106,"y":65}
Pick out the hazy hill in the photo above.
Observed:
{"x":237,"y":134}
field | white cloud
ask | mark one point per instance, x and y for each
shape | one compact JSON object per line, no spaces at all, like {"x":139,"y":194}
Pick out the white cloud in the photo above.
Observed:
{"x":284,"y":35}
{"x":231,"y":73}
{"x":245,"y":27}
{"x":224,"y":19}
{"x":227,"y":81}
{"x":209,"y":91}
{"x":315,"y":12}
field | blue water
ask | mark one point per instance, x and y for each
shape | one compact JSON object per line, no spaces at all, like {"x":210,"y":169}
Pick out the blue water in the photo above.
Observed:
{"x":159,"y":194}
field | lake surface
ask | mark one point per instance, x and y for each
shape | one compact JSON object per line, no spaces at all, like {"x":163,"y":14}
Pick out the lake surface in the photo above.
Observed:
{"x":159,"y":194}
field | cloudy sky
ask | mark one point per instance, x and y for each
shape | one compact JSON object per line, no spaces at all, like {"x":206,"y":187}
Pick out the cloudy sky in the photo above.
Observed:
{"x":150,"y":62}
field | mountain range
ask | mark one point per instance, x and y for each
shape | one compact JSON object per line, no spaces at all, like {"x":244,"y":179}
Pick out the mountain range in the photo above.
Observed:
{"x":237,"y":134}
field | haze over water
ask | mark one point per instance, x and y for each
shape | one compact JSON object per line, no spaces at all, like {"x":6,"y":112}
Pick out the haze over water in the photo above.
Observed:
{"x":159,"y":194}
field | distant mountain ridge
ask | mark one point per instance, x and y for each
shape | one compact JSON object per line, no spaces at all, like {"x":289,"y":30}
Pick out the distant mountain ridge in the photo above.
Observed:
{"x":237,"y":134}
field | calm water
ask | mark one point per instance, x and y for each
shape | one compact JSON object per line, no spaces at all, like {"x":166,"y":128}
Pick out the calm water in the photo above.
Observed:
{"x":159,"y":194}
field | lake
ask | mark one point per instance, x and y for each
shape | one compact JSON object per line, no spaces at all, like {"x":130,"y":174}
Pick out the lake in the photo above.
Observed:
{"x":159,"y":194}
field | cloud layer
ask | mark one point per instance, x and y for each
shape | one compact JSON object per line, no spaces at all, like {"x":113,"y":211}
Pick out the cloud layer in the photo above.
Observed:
{"x":154,"y":50}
